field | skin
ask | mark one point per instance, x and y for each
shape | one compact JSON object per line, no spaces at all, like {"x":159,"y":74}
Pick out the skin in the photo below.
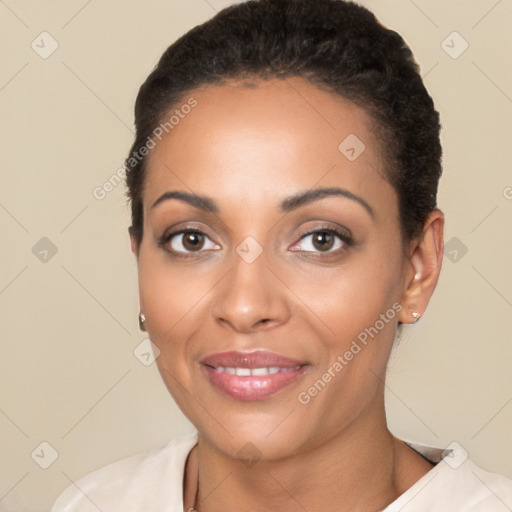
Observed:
{"x":248,"y":148}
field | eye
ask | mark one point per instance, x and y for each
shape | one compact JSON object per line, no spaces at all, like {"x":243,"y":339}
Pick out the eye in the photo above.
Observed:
{"x":322,"y":240}
{"x":187,"y":241}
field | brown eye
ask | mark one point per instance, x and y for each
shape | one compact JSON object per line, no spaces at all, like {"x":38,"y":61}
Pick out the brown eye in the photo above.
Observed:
{"x":186,"y":242}
{"x":193,"y":241}
{"x":323,"y":241}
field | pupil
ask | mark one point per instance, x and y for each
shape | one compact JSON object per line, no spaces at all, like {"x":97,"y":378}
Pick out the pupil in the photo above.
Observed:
{"x":323,"y":241}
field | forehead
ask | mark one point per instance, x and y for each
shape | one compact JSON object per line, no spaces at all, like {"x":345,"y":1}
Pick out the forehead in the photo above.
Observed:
{"x":259,"y":142}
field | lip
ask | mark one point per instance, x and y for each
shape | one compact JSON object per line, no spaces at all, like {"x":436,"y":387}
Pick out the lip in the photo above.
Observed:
{"x":285,"y":372}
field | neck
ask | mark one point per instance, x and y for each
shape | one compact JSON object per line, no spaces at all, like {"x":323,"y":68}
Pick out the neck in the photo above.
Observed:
{"x":362,"y":467}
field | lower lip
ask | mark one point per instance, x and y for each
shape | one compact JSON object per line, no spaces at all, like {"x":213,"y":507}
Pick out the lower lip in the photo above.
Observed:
{"x":253,"y":387}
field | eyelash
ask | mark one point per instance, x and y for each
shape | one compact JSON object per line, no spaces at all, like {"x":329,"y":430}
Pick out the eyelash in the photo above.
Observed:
{"x":167,"y":237}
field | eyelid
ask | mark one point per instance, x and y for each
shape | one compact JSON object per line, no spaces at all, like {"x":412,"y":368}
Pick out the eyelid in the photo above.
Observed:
{"x":181,"y":228}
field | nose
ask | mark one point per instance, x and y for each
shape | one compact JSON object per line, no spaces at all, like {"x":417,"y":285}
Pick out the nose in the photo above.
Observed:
{"x":250,"y":297}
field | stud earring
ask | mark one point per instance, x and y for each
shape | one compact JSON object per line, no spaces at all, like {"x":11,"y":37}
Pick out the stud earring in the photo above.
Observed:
{"x":416,"y":316}
{"x":142,"y":322}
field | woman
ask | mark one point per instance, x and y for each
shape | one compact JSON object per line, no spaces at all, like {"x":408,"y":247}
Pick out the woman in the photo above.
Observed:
{"x":283,"y":189}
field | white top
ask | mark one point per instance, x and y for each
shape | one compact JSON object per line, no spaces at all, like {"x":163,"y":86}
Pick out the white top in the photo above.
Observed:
{"x":152,"y":481}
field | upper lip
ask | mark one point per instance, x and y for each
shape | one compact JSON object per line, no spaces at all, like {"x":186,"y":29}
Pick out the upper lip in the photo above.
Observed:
{"x":253,"y":359}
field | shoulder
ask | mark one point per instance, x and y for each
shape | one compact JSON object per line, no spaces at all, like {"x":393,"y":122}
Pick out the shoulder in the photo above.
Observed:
{"x":454,"y":483}
{"x":153,"y":478}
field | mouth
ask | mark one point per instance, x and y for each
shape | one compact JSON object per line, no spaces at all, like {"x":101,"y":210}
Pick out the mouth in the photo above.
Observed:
{"x":252,"y":375}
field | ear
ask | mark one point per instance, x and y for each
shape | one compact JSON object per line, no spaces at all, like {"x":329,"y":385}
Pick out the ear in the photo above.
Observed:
{"x":133,"y":242}
{"x":423,"y":268}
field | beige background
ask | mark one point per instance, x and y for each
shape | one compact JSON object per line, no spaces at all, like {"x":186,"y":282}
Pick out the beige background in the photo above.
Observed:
{"x":68,"y":374}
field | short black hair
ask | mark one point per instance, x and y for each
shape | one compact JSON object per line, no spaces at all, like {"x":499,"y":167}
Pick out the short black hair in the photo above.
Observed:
{"x":334,"y":44}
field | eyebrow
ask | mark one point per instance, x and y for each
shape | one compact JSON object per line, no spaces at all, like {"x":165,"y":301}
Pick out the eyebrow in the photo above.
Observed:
{"x":201,"y":202}
{"x":289,"y":204}
{"x":303,"y":198}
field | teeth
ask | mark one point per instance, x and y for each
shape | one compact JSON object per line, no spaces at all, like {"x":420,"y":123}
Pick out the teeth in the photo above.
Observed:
{"x":257,"y":372}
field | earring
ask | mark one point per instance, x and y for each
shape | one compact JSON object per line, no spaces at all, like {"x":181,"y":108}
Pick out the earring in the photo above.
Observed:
{"x":416,"y":317}
{"x":142,"y":322}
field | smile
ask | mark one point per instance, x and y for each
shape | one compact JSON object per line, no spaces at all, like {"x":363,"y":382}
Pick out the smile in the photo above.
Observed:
{"x":248,"y":372}
{"x":252,"y":375}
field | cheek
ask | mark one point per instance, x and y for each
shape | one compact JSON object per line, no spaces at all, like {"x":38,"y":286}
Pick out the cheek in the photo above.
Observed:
{"x":172,"y":305}
{"x":351,"y":298}
{"x":358,"y":307}
{"x":175,"y":304}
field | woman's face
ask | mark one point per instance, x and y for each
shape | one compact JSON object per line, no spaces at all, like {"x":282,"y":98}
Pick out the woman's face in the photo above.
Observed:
{"x":250,"y":309}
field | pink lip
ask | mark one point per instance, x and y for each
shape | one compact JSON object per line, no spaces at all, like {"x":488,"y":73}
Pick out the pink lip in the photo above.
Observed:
{"x":252,"y":387}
